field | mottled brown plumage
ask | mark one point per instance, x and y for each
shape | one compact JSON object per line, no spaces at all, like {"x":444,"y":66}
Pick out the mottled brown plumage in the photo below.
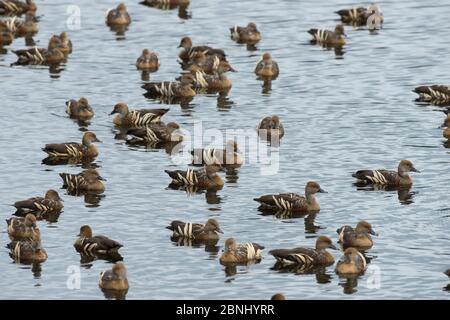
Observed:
{"x":196,"y":231}
{"x":205,"y":178}
{"x":80,"y":110}
{"x":358,"y":237}
{"x":226,"y":157}
{"x":27,"y":251}
{"x":271,"y":126}
{"x":118,"y":16}
{"x":49,"y":56}
{"x":148,"y":61}
{"x":158,"y":133}
{"x":16,"y":7}
{"x":114,"y":279}
{"x":136,"y":118}
{"x":85,"y":150}
{"x":385,"y":177}
{"x":235,"y":253}
{"x":248,"y":34}
{"x":266,"y":67}
{"x":352,"y":263}
{"x":435,"y":94}
{"x":50,"y":203}
{"x":88,"y":180}
{"x":169,"y":89}
{"x":188,"y":51}
{"x":23,"y":228}
{"x":327,"y":37}
{"x":88,"y":243}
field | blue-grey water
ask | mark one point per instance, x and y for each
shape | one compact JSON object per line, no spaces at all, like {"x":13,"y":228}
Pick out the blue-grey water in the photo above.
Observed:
{"x":341,"y":113}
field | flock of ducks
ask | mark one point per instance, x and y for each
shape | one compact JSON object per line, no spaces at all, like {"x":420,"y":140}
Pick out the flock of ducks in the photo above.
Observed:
{"x":205,"y":69}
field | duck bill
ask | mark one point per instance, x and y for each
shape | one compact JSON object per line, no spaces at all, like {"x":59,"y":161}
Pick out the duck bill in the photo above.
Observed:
{"x":101,"y":178}
{"x":322,"y":191}
{"x":232,"y":69}
{"x":414,"y":170}
{"x":113,"y":112}
{"x":332,"y":246}
{"x":219,"y":230}
{"x":373,"y":233}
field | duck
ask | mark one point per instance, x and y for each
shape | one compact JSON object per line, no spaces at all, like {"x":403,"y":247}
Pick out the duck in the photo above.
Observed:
{"x":16,"y":7}
{"x":228,"y":157}
{"x":308,"y":257}
{"x":388,"y":178}
{"x":148,"y":61}
{"x":86,"y":149}
{"x":293,"y":201}
{"x":187,"y":50}
{"x":169,"y":3}
{"x":278,"y":296}
{"x":27,"y":251}
{"x":196,"y":231}
{"x":248,"y":34}
{"x":266,"y":67}
{"x":327,"y":37}
{"x":352,"y":263}
{"x":23,"y":228}
{"x":118,"y":16}
{"x":200,"y":81}
{"x":20,"y":28}
{"x":114,"y":279}
{"x":359,"y":15}
{"x":205,"y":178}
{"x":90,"y":244}
{"x":6,"y":38}
{"x":358,"y":237}
{"x":436,"y":94}
{"x":446,"y":121}
{"x":271,"y":126}
{"x":446,"y":133}
{"x":50,"y":203}
{"x":235,"y":253}
{"x":80,"y":110}
{"x":207,"y":64}
{"x":169,"y":89}
{"x":136,"y":118}
{"x":64,"y":44}
{"x":49,"y":56}
{"x":158,"y":133}
{"x":88,"y":180}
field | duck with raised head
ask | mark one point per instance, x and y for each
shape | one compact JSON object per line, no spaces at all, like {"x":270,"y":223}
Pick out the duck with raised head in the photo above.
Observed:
{"x":205,"y":178}
{"x":248,"y":34}
{"x":292,"y":201}
{"x":80,"y":110}
{"x":75,"y":150}
{"x":352,"y":263}
{"x":118,"y":16}
{"x":358,"y":237}
{"x":114,"y":279}
{"x":90,"y":244}
{"x":23,"y":228}
{"x":188,"y":51}
{"x":436,"y":94}
{"x":88,"y":180}
{"x":64,"y":45}
{"x":196,"y":231}
{"x":136,"y":118}
{"x":227,"y":157}
{"x":17,"y":7}
{"x":51,"y":55}
{"x":266,"y":67}
{"x":235,"y":253}
{"x":271,"y":126}
{"x":308,"y":257}
{"x":327,"y":37}
{"x":50,"y":203}
{"x":386,"y":177}
{"x":148,"y":61}
{"x":359,"y":15}
{"x":27,"y":251}
{"x":158,"y":133}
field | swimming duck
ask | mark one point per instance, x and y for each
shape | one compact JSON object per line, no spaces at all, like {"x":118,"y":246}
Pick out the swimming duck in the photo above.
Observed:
{"x":436,"y":94}
{"x":205,"y":178}
{"x":187,"y":51}
{"x":266,"y":67}
{"x":359,"y":15}
{"x":28,"y":26}
{"x":51,"y":55}
{"x":248,"y":34}
{"x":446,"y":121}
{"x":64,"y":44}
{"x":200,"y":81}
{"x":148,"y":61}
{"x":157,"y":133}
{"x":327,"y":37}
{"x":118,"y":16}
{"x":80,"y":110}
{"x":170,"y":3}
{"x":229,"y":156}
{"x":50,"y":203}
{"x":136,"y":118}
{"x":307,"y":256}
{"x":196,"y":231}
{"x":114,"y":279}
{"x":23,"y":228}
{"x":75,"y":150}
{"x":278,"y":296}
{"x":207,"y":64}
{"x":446,"y":133}
{"x":88,"y":180}
{"x":6,"y":38}
{"x":293,"y":201}
{"x":16,"y":7}
{"x":385,"y":177}
{"x":169,"y":89}
{"x":352,"y":263}
{"x":240,"y":253}
{"x":27,"y":251}
{"x":271,"y":126}
{"x":359,"y":237}
{"x":88,"y":243}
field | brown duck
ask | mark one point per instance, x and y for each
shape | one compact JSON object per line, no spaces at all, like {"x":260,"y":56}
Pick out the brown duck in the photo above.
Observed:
{"x":27,"y":251}
{"x":114,"y":279}
{"x":271,"y":126}
{"x":90,"y":244}
{"x":235,"y":253}
{"x":266,"y":67}
{"x":307,"y":257}
{"x":88,"y":180}
{"x":436,"y":94}
{"x":327,"y":37}
{"x":207,"y":64}
{"x":118,"y":16}
{"x":16,"y":7}
{"x":187,"y":50}
{"x":385,"y":177}
{"x":228,"y":156}
{"x":196,"y":231}
{"x":80,"y":110}
{"x":170,"y":89}
{"x":248,"y":34}
{"x":136,"y":118}
{"x":352,"y":263}
{"x":359,"y":15}
{"x":148,"y":61}
{"x":205,"y":178}
{"x":64,"y":44}
{"x":6,"y":38}
{"x":85,"y":150}
{"x":292,"y":201}
{"x":51,"y":55}
{"x":158,"y":133}
{"x":358,"y":237}
{"x":50,"y":203}
{"x":23,"y":228}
